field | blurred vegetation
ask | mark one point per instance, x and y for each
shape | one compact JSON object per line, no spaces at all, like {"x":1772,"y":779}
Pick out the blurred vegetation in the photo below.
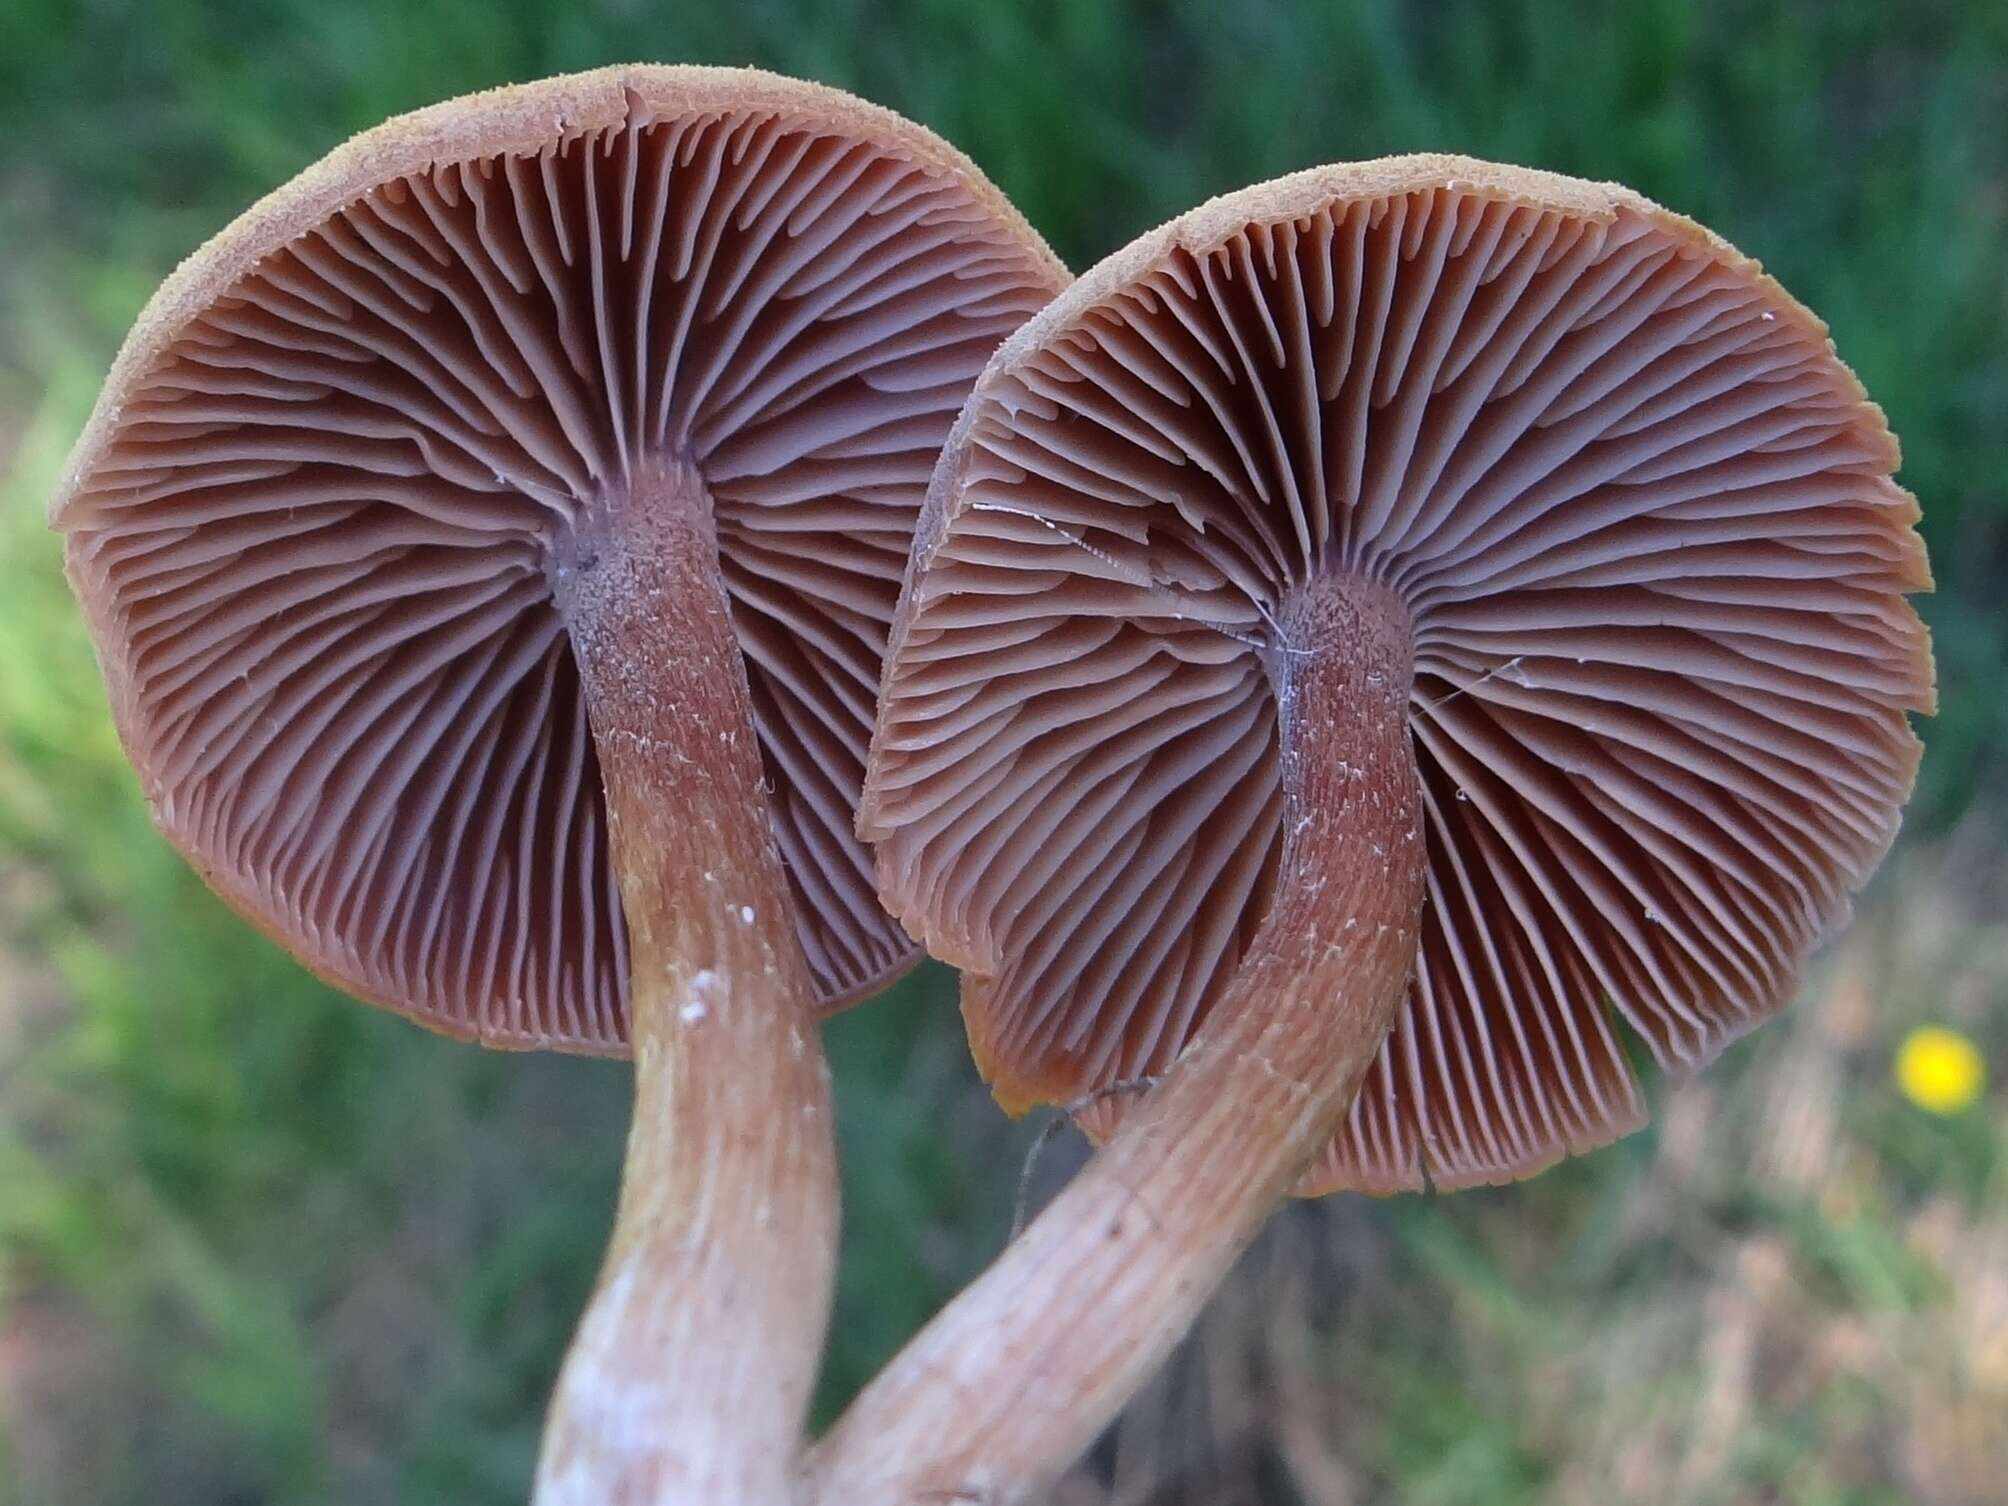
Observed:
{"x":258,"y":1244}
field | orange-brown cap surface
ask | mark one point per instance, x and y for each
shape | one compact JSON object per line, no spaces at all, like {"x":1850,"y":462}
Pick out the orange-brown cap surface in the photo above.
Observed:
{"x":1643,"y":523}
{"x":317,"y":517}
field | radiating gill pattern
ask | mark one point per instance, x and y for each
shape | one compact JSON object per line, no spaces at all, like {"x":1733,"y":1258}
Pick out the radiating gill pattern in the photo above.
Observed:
{"x":1645,"y":524}
{"x":321,"y":540}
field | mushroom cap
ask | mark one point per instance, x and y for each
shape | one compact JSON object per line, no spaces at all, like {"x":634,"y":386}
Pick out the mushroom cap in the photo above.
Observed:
{"x":1643,"y":520}
{"x":312,"y":518}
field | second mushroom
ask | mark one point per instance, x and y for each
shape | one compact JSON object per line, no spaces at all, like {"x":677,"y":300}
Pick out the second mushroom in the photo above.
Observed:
{"x":1374,"y":645}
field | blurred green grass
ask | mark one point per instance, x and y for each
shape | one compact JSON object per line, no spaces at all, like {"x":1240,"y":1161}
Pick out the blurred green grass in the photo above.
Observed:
{"x":260,"y":1245}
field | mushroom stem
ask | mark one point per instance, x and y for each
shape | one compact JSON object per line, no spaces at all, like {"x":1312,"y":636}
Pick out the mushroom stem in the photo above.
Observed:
{"x":1014,"y":1378}
{"x":690,"y":1376}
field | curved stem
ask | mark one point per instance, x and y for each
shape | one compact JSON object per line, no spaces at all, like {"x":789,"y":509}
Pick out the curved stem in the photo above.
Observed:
{"x":1014,"y":1378}
{"x":690,"y":1376}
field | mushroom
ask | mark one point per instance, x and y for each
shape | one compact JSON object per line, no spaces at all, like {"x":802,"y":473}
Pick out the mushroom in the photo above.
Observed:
{"x":490,"y":541}
{"x":1370,"y":644}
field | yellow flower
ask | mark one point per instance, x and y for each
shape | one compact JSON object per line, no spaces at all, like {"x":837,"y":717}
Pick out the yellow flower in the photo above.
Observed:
{"x":1940,"y":1070}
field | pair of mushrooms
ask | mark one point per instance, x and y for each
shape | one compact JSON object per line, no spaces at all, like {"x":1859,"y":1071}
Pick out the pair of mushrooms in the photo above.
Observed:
{"x":1354,"y":647}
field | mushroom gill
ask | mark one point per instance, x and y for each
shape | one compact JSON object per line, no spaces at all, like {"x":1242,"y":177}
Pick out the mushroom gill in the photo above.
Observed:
{"x":319,"y":520}
{"x":1643,"y":523}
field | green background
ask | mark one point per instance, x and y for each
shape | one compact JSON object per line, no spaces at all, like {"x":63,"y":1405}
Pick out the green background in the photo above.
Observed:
{"x":259,"y":1244}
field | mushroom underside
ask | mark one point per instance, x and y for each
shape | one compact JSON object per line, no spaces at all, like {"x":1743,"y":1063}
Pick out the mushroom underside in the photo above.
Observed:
{"x":320,"y":548}
{"x":1644,"y":524}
